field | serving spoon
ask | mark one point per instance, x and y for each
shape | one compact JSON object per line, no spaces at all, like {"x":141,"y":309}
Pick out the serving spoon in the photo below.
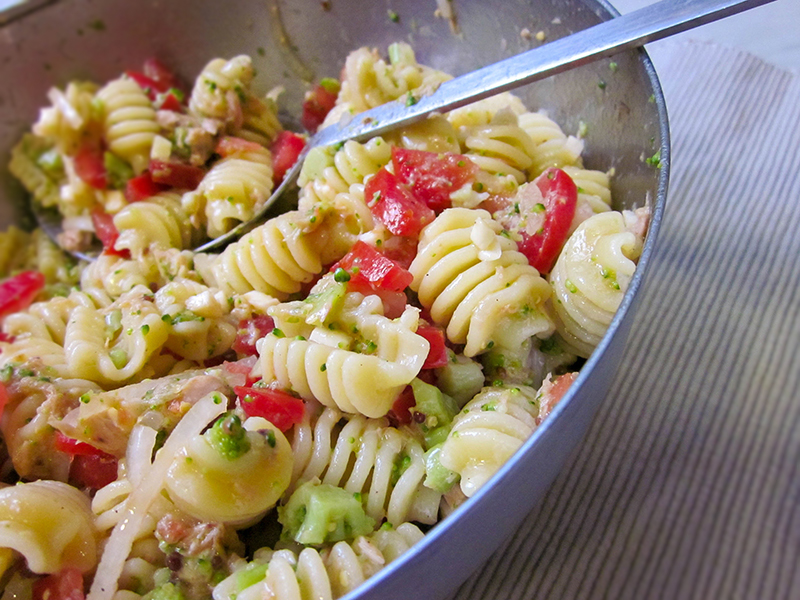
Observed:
{"x":634,"y":29}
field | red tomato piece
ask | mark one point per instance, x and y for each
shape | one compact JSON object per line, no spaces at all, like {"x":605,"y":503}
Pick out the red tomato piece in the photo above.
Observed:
{"x":67,"y":584}
{"x":250,"y":331}
{"x":163,"y":76}
{"x":318,"y":103}
{"x":394,"y":205}
{"x":3,"y":398}
{"x":142,"y":187}
{"x":169,"y":101}
{"x":150,"y":86}
{"x":279,"y":408}
{"x":368,"y":267}
{"x":93,"y":471}
{"x":560,"y":198}
{"x":230,"y":145}
{"x":73,"y":447}
{"x":106,"y":231}
{"x":90,"y":167}
{"x":285,"y":150}
{"x":400,"y":413}
{"x":17,"y":293}
{"x":176,"y":174}
{"x":437,"y":355}
{"x":431,"y":176}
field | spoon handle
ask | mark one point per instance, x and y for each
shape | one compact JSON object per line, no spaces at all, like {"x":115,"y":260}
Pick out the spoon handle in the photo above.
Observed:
{"x":631,"y":30}
{"x":634,"y":29}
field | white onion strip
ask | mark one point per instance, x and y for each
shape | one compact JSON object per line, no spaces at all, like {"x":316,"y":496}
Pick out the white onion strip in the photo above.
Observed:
{"x":121,"y":539}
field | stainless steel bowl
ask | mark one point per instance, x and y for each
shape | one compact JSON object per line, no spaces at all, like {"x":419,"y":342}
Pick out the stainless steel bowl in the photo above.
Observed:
{"x":298,"y":41}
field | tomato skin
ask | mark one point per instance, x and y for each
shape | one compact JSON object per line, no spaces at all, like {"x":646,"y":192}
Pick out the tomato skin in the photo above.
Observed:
{"x":18,"y":292}
{"x":74,"y":447}
{"x":560,"y":199}
{"x":230,"y":145}
{"x":168,"y":101}
{"x":176,"y":174}
{"x":142,"y":187}
{"x":394,"y":205}
{"x":67,"y":584}
{"x":400,"y":414}
{"x":369,"y":269}
{"x":285,"y":150}
{"x":437,"y":355}
{"x":250,"y":331}
{"x":3,"y":398}
{"x":106,"y":232}
{"x":431,"y":176}
{"x":93,"y":471}
{"x":158,"y":72}
{"x":90,"y":167}
{"x":317,"y":104}
{"x":279,"y":408}
{"x":150,"y":86}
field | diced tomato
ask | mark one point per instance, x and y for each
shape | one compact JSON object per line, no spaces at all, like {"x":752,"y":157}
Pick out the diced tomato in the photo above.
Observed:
{"x":250,"y":331}
{"x":318,"y":103}
{"x":106,"y":231}
{"x":74,"y":447}
{"x":431,"y":176}
{"x":400,"y":414}
{"x":230,"y":145}
{"x":551,"y":393}
{"x":17,"y":293}
{"x":279,"y":408}
{"x":560,"y":198}
{"x":150,"y":86}
{"x":158,"y":72}
{"x":285,"y":150}
{"x":400,"y":249}
{"x":93,"y":471}
{"x":142,"y":187}
{"x":176,"y":174}
{"x":67,"y":584}
{"x":3,"y":398}
{"x":154,"y":79}
{"x":90,"y":167}
{"x":368,"y":267}
{"x":394,"y":205}
{"x":437,"y":355}
{"x":169,"y":101}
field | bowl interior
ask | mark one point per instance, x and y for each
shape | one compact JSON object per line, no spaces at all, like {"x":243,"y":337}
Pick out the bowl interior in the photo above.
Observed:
{"x":616,"y":103}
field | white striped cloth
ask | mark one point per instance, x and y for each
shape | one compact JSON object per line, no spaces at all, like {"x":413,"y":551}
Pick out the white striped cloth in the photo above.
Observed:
{"x":688,"y":483}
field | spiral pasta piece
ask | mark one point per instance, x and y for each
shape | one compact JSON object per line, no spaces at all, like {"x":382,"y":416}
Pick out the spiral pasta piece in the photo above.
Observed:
{"x":222,"y":91}
{"x":488,"y":430}
{"x":476,"y":284}
{"x":314,"y":574}
{"x":70,"y":118}
{"x":369,"y":81}
{"x":50,"y":524}
{"x":592,"y":274}
{"x":113,"y":345}
{"x":159,"y":220}
{"x":384,"y":464}
{"x":327,"y":173}
{"x":200,"y":325}
{"x":275,"y":258}
{"x":553,"y":148}
{"x":129,"y":122}
{"x":501,"y":147}
{"x":356,"y":383}
{"x":232,"y":191}
{"x":42,"y":184}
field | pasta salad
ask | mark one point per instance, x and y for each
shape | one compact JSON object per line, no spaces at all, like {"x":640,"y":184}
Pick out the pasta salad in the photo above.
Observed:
{"x":286,"y":417}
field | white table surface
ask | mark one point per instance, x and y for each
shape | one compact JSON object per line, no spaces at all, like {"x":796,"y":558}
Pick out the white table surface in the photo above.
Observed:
{"x":771,"y":32}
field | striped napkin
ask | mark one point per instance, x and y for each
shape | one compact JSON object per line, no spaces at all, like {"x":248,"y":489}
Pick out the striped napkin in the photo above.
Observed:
{"x":688,"y":483}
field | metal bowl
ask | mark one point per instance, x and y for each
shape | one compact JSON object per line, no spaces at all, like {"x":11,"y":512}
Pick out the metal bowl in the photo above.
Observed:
{"x":296,"y":42}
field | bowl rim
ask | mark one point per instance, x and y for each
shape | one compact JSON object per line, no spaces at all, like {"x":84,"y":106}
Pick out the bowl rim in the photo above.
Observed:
{"x":427,"y":545}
